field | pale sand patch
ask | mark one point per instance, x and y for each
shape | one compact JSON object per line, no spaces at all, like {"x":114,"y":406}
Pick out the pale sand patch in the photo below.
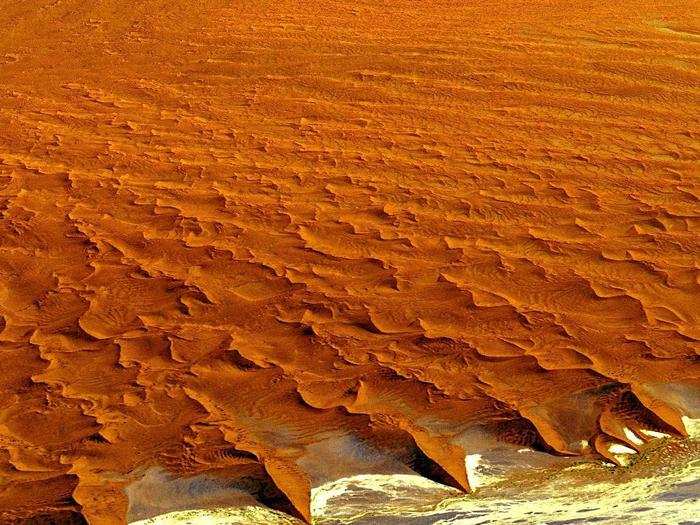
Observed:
{"x":659,"y":487}
{"x":629,"y":434}
{"x":225,"y":516}
{"x":692,"y":427}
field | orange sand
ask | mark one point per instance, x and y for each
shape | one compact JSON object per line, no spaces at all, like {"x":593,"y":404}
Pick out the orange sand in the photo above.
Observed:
{"x":235,"y":235}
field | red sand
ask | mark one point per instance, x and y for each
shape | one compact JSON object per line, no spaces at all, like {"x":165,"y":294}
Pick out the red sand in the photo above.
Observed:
{"x":232,"y":231}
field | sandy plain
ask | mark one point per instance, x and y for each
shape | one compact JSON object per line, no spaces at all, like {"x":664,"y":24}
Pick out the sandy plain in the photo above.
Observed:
{"x":258,"y":247}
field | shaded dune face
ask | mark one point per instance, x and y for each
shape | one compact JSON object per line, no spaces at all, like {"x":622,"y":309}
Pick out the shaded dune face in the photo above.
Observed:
{"x":282,"y":244}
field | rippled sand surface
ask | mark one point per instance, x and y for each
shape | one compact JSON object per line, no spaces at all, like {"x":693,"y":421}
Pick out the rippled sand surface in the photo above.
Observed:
{"x":267,"y":255}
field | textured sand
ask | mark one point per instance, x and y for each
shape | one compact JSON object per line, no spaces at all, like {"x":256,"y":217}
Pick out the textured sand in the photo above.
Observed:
{"x":270,"y":245}
{"x":660,"y":488}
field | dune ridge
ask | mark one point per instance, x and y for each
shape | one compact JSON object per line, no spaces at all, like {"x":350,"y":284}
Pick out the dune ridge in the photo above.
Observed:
{"x":304,"y":242}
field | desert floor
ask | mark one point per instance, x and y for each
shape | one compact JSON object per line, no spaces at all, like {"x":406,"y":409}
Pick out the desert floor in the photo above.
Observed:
{"x":272,"y":255}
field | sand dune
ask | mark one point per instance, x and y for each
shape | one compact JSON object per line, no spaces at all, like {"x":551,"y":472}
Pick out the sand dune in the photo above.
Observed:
{"x":305,"y":242}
